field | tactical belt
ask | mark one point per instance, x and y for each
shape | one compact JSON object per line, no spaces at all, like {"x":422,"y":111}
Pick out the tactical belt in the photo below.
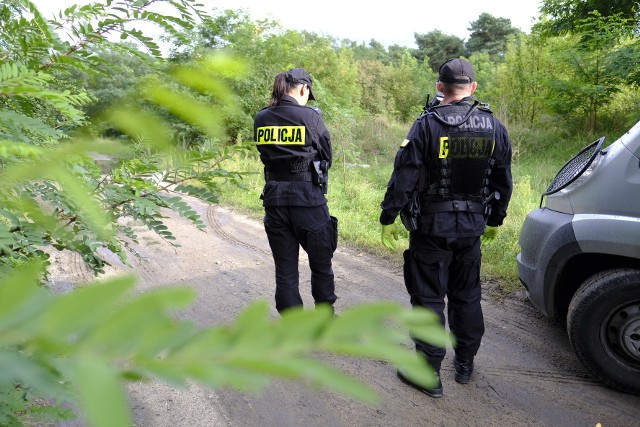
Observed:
{"x":289,"y":176}
{"x":452,"y":206}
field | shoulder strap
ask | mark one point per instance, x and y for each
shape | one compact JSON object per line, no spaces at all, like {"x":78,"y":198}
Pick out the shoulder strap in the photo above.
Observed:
{"x":464,"y":120}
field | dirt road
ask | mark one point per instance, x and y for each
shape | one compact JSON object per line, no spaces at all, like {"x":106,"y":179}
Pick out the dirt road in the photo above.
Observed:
{"x":526,"y":373}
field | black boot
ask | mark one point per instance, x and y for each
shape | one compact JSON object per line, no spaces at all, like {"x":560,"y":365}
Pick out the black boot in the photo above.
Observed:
{"x":432,"y":392}
{"x":463,"y":368}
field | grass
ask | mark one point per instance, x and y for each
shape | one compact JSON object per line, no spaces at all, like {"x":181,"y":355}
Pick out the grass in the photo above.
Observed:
{"x":358,"y":181}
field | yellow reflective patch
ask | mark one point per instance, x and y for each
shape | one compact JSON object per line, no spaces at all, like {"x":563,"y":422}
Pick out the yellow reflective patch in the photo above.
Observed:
{"x":466,"y":147}
{"x":281,"y":135}
{"x":404,"y":143}
{"x":444,"y":147}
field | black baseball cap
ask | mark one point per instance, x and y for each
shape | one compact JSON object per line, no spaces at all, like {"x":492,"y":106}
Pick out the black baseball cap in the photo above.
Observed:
{"x":298,"y":75}
{"x":456,"y":70}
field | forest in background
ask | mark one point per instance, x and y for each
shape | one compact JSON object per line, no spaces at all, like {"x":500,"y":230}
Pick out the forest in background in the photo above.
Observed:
{"x":576,"y":78}
{"x":87,"y":85}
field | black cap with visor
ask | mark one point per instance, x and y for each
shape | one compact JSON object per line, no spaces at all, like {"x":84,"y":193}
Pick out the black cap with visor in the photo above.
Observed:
{"x":298,"y":75}
{"x":456,"y":70}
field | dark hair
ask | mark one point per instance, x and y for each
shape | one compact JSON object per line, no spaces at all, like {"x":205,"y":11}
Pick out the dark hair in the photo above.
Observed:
{"x":453,"y":88}
{"x":280,"y":88}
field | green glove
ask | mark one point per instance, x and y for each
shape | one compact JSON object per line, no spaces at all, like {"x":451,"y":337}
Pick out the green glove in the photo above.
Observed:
{"x":389,"y":234}
{"x":490,"y":234}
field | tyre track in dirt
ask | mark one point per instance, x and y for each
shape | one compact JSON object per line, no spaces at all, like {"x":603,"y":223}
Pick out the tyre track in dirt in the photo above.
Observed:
{"x":214,"y":214}
{"x":537,"y":375}
{"x":80,"y":269}
{"x":146,"y":268}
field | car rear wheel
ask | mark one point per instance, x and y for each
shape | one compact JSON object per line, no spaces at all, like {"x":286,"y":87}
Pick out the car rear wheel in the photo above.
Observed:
{"x":603,"y":323}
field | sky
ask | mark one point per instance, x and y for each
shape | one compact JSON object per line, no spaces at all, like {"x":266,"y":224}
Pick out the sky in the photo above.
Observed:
{"x":390,"y":22}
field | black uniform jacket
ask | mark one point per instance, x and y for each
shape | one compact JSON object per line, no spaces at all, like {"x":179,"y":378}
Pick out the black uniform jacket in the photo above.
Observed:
{"x":420,"y":150}
{"x":287,"y":136}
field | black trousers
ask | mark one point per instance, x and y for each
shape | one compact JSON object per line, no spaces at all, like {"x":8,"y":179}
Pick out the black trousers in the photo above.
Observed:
{"x":439,"y":267}
{"x":288,"y":228}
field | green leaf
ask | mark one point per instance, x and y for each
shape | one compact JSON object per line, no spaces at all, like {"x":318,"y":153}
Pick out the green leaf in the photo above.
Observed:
{"x":369,"y":317}
{"x":102,"y":396}
{"x":138,"y":124}
{"x":17,"y":367}
{"x":87,"y":208}
{"x":417,"y":369}
{"x":187,"y":108}
{"x":20,"y":298}
{"x":15,"y":149}
{"x":320,"y":374}
{"x":23,"y":128}
{"x":82,"y":309}
{"x":300,"y":329}
{"x":146,"y":319}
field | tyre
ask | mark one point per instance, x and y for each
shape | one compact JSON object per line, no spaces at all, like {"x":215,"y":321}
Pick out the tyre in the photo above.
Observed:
{"x":603,"y":323}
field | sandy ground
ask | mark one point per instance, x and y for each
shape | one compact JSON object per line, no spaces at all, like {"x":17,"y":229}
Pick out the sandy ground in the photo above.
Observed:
{"x":526,"y":373}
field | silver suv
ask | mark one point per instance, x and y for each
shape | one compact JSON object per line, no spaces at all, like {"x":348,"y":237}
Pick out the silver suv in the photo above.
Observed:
{"x":580,"y":257}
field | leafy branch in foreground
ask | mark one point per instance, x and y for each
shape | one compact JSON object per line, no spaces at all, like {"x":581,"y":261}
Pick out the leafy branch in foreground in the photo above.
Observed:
{"x":81,"y":347}
{"x":61,"y":198}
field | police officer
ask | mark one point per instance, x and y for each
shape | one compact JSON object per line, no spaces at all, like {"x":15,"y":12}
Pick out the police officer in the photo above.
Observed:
{"x":456,"y":161}
{"x":295,"y":148}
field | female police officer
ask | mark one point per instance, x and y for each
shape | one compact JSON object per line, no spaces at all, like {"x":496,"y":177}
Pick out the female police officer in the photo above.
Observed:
{"x":295,"y":148}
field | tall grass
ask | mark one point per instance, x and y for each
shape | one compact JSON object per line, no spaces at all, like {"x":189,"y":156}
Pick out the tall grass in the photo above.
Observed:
{"x":363,"y":161}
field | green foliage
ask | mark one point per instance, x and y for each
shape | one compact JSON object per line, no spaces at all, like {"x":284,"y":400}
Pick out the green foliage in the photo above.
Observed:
{"x":622,"y":62}
{"x":503,"y":250}
{"x":490,"y":35}
{"x":567,"y":82}
{"x":520,"y":80}
{"x":348,"y":79}
{"x":40,"y":108}
{"x":46,"y":205}
{"x":564,"y":15}
{"x":589,"y":83}
{"x":27,"y":97}
{"x":616,"y":117}
{"x":64,"y":347}
{"x":408,"y":101}
{"x":375,"y":99}
{"x":113,"y":81}
{"x":485,"y":69}
{"x":436,"y":47}
{"x":374,"y":51}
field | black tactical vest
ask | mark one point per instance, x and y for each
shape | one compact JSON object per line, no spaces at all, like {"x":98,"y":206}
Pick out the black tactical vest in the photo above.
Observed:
{"x":460,"y":164}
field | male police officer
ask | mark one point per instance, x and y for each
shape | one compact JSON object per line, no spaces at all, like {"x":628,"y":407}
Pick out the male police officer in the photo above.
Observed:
{"x":456,"y":160}
{"x":295,"y":147}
